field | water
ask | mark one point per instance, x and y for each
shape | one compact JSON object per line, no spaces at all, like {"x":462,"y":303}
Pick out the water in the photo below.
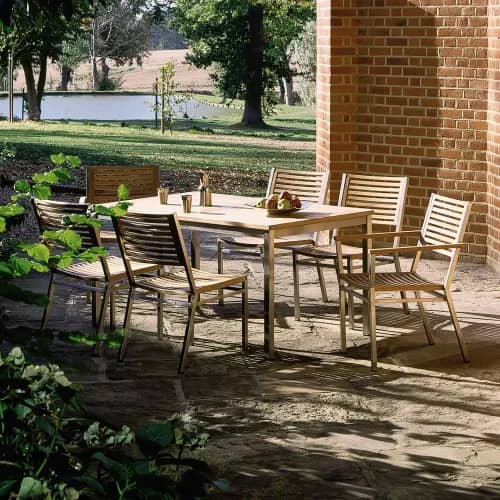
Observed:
{"x":109,"y":106}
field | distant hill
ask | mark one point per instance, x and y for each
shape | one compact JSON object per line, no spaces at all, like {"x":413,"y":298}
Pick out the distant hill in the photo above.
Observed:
{"x":135,"y":77}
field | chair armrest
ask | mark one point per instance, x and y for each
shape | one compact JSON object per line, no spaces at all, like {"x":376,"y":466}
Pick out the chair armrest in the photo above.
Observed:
{"x":416,"y":248}
{"x":361,"y":236}
{"x":82,"y":199}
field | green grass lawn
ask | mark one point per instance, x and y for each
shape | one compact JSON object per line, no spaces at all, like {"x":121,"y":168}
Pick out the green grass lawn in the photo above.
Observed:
{"x":213,"y":143}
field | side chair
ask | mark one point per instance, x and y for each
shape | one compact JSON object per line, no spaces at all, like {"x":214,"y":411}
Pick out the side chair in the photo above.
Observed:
{"x":386,"y":195}
{"x":441,"y":233}
{"x":310,"y":186}
{"x":102,"y":183}
{"x":157,"y":239}
{"x":103,"y":276}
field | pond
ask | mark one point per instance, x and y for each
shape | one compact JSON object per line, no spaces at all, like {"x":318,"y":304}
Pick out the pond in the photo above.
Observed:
{"x":109,"y":106}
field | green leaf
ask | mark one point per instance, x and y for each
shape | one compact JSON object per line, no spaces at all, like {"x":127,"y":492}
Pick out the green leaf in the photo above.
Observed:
{"x":38,"y":251}
{"x":22,"y":411}
{"x":66,"y":237}
{"x":58,"y":159}
{"x":11,"y":210}
{"x":31,"y":488}
{"x":45,"y":425}
{"x":22,"y":186}
{"x":17,"y":266}
{"x":46,"y":177}
{"x":116,"y":469}
{"x":62,"y":174}
{"x":73,"y":161}
{"x":6,"y":487}
{"x":92,"y":254}
{"x":123,"y":192}
{"x":41,"y":191}
{"x":3,"y":225}
{"x":81,"y":219}
{"x":154,"y":437}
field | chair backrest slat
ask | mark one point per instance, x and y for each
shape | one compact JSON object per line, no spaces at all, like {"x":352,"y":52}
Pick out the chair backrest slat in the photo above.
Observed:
{"x":385,"y":195}
{"x":103,"y":181}
{"x":50,"y":215}
{"x":308,"y":185}
{"x":154,"y":239}
{"x":445,"y":221}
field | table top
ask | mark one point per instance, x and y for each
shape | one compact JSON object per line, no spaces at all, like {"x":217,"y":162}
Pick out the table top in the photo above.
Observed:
{"x":233,"y":212}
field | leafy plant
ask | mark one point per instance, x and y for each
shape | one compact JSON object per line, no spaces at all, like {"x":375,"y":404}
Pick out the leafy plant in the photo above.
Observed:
{"x":50,"y":449}
{"x":7,"y":152}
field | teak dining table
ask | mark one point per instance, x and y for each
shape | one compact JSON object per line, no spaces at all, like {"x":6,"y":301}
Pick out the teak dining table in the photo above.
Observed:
{"x":233,"y":214}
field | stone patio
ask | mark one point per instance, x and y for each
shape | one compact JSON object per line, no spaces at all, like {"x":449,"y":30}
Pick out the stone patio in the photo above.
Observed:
{"x":312,"y":423}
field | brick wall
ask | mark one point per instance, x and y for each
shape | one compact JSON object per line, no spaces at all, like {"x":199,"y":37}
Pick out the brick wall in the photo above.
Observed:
{"x":408,"y":96}
{"x":493,"y":153}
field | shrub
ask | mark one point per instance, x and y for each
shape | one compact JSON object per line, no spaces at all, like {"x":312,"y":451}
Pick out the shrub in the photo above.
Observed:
{"x":50,"y":449}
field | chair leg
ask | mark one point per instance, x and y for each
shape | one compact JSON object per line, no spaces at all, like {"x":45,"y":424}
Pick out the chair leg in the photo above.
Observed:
{"x":322,"y":283}
{"x":296,"y":286}
{"x":102,"y":317}
{"x":397,"y":265}
{"x":425,"y":320}
{"x":159,"y":315}
{"x":350,"y":298}
{"x":188,"y":336}
{"x":458,"y":330}
{"x":342,"y":304}
{"x":373,"y":328}
{"x":220,"y":267}
{"x":112,"y":316}
{"x":126,"y":324}
{"x":50,"y":296}
{"x":244,"y":316}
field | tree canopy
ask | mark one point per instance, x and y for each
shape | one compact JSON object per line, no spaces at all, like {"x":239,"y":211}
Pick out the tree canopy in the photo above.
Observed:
{"x":244,"y":42}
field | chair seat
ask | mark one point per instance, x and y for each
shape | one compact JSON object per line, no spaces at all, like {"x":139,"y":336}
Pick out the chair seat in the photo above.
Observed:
{"x":177,"y":282}
{"x":391,"y":282}
{"x":256,"y":242}
{"x":94,"y":271}
{"x":327,"y":251}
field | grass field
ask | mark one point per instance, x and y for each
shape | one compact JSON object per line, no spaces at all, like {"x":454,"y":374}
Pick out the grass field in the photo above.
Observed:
{"x":195,"y":144}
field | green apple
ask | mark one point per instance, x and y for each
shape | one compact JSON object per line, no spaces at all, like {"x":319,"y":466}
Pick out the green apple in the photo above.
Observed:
{"x":261,"y":203}
{"x":283,"y":203}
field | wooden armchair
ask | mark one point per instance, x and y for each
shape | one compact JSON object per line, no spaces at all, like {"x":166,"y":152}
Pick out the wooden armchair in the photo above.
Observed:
{"x":157,"y":239}
{"x":442,"y":233}
{"x":386,"y":195}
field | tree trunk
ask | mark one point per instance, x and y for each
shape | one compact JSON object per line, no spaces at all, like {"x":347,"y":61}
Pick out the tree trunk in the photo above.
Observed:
{"x":65,"y":78}
{"x":42,"y":77}
{"x":252,"y":114}
{"x":104,"y":78}
{"x":93,"y":57}
{"x":289,"y":97}
{"x":282,"y":91}
{"x":33,"y":111}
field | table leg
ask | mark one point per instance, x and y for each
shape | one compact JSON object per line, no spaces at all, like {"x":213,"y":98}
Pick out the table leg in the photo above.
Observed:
{"x":268,"y":259}
{"x":195,"y":249}
{"x":367,"y":245}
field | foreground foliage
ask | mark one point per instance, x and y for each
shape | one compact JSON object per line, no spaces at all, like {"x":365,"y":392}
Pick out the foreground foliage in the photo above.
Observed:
{"x":49,"y":449}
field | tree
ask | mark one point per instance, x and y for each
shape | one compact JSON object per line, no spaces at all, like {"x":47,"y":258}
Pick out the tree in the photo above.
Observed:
{"x":74,"y":52}
{"x":244,"y":41}
{"x":120,"y":32}
{"x":34,"y":33}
